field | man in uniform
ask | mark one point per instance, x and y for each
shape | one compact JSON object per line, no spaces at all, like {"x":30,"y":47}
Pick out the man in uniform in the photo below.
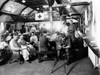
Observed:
{"x":71,"y":42}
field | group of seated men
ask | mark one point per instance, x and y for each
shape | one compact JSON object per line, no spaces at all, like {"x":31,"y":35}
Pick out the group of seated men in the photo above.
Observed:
{"x":31,"y":43}
{"x":16,"y":43}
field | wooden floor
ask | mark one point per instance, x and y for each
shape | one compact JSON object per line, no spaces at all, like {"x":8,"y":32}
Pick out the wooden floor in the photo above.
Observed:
{"x":81,"y":67}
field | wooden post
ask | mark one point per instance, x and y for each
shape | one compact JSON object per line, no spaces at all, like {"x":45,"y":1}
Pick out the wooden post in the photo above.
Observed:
{"x":2,"y":29}
{"x":51,"y":18}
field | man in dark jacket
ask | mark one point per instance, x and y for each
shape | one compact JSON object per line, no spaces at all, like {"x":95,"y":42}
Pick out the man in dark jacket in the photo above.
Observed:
{"x":71,"y":40}
{"x":23,"y":30}
{"x":43,"y":42}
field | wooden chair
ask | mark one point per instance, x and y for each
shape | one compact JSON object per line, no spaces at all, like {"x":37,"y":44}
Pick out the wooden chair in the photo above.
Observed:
{"x":5,"y":55}
{"x":46,"y":52}
{"x":15,"y":56}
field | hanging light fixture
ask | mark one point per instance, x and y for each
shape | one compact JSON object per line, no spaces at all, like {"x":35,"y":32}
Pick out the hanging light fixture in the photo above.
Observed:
{"x":50,"y":2}
{"x":45,"y":6}
{"x":59,"y":1}
{"x":23,"y":1}
{"x":68,"y":6}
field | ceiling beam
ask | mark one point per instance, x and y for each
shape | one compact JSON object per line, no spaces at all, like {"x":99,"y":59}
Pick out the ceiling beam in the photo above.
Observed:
{"x":7,"y":13}
{"x":63,"y":5}
{"x":72,"y":4}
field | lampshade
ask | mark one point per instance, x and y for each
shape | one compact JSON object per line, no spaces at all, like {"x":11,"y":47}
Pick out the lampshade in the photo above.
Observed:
{"x":58,"y":1}
{"x":50,"y":2}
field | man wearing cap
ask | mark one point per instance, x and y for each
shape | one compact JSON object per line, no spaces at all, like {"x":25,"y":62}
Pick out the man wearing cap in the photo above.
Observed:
{"x":71,"y":30}
{"x":71,"y":36}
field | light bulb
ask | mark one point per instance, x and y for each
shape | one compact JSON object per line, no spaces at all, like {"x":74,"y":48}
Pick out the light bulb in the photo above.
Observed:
{"x":68,"y":6}
{"x":23,"y":1}
{"x":45,"y":6}
{"x":37,"y":8}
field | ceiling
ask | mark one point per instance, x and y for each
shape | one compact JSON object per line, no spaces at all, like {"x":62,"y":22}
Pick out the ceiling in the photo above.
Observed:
{"x":27,"y":8}
{"x":35,"y":3}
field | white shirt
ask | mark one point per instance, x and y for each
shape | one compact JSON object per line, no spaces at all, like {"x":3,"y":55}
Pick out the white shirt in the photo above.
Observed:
{"x":34,"y":39}
{"x":3,"y":45}
{"x":8,"y":38}
{"x":54,"y":37}
{"x":14,"y":45}
{"x":33,"y":29}
{"x":65,"y":29}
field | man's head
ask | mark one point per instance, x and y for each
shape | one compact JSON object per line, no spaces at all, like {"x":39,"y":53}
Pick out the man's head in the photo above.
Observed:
{"x":66,"y":34}
{"x":44,"y":32}
{"x":2,"y":39}
{"x":69,"y":22}
{"x":16,"y":37}
{"x":21,"y":37}
{"x":32,"y":34}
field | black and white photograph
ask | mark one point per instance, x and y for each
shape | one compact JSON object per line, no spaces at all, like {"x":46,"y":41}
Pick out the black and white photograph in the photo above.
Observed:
{"x":49,"y":37}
